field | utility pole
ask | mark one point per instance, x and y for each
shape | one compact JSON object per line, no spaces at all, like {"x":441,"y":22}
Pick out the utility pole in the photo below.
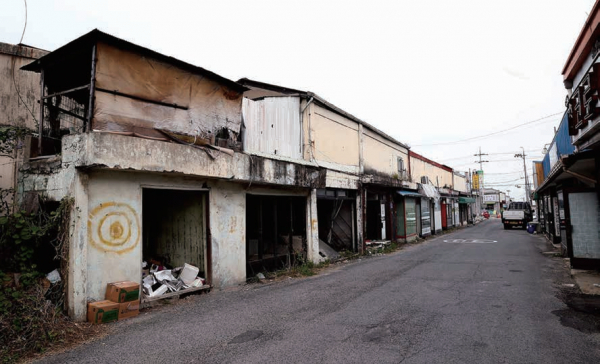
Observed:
{"x":523,"y":155}
{"x":480,"y":161}
{"x":480,"y":179}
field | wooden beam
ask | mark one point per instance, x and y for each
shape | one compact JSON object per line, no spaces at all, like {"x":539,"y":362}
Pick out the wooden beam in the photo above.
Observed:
{"x":577,"y":175}
{"x":88,"y":126}
{"x":41,"y":121}
{"x":65,"y":92}
{"x":115,"y":92}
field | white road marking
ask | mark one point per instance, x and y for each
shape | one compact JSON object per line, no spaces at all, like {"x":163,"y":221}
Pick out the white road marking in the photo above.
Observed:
{"x":471,"y":241}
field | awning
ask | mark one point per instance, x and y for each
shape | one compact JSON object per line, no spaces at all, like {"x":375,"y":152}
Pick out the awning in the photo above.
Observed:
{"x":429,"y":191}
{"x":466,"y":200}
{"x":578,"y":165}
{"x":409,"y":194}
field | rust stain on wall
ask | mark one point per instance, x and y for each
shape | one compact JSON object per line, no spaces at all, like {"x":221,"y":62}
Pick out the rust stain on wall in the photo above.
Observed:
{"x":233,"y":224}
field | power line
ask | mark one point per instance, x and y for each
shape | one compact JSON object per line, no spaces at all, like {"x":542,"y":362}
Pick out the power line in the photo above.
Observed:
{"x":13,"y":69}
{"x":469,"y":156}
{"x":24,"y":27}
{"x":488,"y":135}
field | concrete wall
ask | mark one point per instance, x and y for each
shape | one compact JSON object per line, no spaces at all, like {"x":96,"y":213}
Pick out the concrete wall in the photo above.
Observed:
{"x":439,"y":177}
{"x":14,"y":110}
{"x":381,"y":155}
{"x":121,"y":192}
{"x":106,"y":176}
{"x":334,"y":139}
{"x":460,"y":183}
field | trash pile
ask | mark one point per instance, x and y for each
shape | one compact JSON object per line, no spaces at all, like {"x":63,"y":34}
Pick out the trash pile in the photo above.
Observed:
{"x":158,"y":280}
{"x":376,"y":246}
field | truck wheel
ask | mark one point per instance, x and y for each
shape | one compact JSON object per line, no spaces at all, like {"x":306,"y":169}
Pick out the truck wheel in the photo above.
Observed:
{"x":506,"y":227}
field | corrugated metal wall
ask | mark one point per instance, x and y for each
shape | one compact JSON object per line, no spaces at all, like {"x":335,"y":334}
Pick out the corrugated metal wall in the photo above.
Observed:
{"x":563,"y":139}
{"x":560,"y":146}
{"x":273,"y":126}
{"x":546,"y":165}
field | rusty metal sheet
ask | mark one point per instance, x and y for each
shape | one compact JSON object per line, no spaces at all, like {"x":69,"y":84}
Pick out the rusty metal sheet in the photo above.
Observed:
{"x":153,"y":94}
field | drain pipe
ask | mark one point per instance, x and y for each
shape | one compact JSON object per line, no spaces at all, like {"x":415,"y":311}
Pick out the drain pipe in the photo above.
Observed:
{"x":302,"y":123}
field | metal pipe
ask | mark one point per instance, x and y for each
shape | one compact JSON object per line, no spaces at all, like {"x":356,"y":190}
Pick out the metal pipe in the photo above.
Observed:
{"x":302,"y":123}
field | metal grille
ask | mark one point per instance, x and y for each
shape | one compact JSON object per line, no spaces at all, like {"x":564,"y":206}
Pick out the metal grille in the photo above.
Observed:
{"x":62,"y":115}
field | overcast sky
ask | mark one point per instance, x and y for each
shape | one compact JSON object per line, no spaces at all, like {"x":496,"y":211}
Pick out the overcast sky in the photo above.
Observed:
{"x":425,"y":72}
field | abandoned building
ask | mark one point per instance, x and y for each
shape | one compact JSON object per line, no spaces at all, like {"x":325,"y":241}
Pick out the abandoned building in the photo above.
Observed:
{"x":19,"y":93}
{"x":167,"y":159}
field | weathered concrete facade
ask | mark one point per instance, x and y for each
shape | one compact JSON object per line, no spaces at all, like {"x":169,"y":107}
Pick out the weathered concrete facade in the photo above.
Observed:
{"x":19,"y":94}
{"x":271,"y":174}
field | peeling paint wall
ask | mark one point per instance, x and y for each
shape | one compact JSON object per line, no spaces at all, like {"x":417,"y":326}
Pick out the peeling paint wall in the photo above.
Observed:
{"x":341,"y":180}
{"x":124,"y":152}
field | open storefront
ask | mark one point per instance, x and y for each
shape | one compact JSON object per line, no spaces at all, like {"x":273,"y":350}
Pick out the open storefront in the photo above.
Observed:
{"x":275,"y":232}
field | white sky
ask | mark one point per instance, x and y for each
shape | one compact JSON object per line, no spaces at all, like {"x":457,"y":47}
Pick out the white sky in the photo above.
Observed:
{"x":423,"y":71}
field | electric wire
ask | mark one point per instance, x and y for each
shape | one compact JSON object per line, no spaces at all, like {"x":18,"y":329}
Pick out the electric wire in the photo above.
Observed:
{"x":488,"y":135}
{"x":13,"y":70}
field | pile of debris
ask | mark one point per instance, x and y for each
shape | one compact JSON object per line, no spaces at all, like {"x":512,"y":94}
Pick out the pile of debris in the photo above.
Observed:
{"x":157,"y":280}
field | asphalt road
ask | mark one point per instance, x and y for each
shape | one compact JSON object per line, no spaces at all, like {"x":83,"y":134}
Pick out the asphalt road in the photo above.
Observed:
{"x":444,"y":301}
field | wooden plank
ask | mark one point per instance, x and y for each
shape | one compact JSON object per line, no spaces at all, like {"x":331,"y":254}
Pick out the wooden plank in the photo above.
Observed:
{"x":174,"y":294}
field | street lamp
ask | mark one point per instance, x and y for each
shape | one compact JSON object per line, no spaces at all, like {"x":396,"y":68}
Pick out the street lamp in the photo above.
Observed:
{"x":545,"y":150}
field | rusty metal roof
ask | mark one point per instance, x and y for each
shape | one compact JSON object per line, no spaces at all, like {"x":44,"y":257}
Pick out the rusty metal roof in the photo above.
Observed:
{"x":91,"y":38}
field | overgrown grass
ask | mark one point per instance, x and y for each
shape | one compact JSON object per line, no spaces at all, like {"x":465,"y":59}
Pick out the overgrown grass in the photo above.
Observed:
{"x":32,"y":319}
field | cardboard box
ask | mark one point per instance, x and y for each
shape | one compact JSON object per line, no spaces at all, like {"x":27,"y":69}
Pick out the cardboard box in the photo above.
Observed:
{"x":102,"y":312}
{"x":125,"y":291}
{"x":129,"y":309}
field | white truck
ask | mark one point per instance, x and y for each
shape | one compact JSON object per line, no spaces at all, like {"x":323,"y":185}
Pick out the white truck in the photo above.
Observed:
{"x":517,"y":214}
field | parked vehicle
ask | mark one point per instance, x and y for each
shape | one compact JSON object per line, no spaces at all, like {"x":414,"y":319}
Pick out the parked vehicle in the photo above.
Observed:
{"x":517,"y":214}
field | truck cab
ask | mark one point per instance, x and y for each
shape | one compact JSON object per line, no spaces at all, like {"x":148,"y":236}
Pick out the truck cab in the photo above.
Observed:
{"x":517,"y":214}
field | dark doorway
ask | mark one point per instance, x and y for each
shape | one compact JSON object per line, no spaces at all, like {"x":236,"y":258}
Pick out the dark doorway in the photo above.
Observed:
{"x":336,"y":211}
{"x":374,"y":224}
{"x":275,"y":232}
{"x":175,"y":228}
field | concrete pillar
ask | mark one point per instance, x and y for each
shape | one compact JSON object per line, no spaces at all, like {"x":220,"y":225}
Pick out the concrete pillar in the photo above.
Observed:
{"x":359,"y":220}
{"x":312,"y":228}
{"x":78,"y":243}
{"x":361,"y":158}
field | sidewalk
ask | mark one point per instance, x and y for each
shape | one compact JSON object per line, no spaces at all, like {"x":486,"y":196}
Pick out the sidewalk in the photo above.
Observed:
{"x":587,"y":280}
